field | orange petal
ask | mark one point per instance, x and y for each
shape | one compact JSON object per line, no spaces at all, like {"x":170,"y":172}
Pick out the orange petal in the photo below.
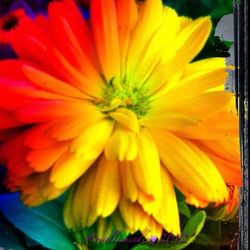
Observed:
{"x":73,"y":38}
{"x":42,"y":159}
{"x":104,"y":28}
{"x":126,"y":19}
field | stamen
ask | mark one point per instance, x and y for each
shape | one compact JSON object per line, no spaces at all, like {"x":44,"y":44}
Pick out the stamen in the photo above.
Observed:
{"x":125,"y":95}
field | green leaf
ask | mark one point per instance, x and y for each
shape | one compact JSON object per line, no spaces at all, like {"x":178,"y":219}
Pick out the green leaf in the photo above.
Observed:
{"x":179,"y":196}
{"x":184,"y":209}
{"x":104,"y":246}
{"x":30,"y":242}
{"x":43,"y":224}
{"x":8,"y":238}
{"x":189,"y":233}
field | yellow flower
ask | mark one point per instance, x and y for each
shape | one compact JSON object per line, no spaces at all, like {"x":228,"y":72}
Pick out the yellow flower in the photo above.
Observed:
{"x":173,"y":125}
{"x":119,"y":105}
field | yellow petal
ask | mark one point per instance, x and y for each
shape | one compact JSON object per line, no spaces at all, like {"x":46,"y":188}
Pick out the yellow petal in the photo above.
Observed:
{"x":201,"y":81}
{"x":129,"y":187}
{"x":189,"y":42}
{"x":126,"y":118}
{"x":133,"y":215}
{"x":78,"y":211}
{"x":187,"y":112}
{"x":67,"y":210}
{"x":107,"y":187}
{"x":190,"y":197}
{"x":202,"y":105}
{"x":146,"y":167}
{"x":185,"y":21}
{"x":168,"y":214}
{"x":190,"y":165}
{"x":104,"y":228}
{"x":149,"y":20}
{"x":122,"y":145}
{"x":205,"y":65}
{"x":169,"y":121}
{"x":153,"y":229}
{"x":192,"y":200}
{"x":195,"y":84}
{"x":149,"y":204}
{"x":195,"y":78}
{"x":220,"y":126}
{"x":90,"y":144}
{"x":157,"y":52}
{"x":69,"y":168}
{"x":164,"y":84}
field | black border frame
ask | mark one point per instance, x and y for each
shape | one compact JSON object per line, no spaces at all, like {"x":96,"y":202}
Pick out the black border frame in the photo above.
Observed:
{"x":241,"y":79}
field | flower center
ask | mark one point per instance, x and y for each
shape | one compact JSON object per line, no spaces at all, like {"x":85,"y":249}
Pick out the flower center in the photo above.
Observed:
{"x":125,"y":95}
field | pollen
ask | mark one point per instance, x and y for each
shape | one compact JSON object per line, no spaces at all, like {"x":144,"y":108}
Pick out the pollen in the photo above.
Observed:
{"x":127,"y":96}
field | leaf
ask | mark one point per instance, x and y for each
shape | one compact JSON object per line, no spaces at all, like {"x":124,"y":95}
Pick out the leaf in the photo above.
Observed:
{"x":190,"y":232}
{"x":30,"y":242}
{"x":8,"y":238}
{"x":184,"y":209}
{"x":42,"y":224}
{"x":179,"y":196}
{"x":104,"y":246}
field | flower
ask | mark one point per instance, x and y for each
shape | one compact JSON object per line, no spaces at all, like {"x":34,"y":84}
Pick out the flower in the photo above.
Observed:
{"x":31,"y":7}
{"x":8,"y":25}
{"x":116,"y":107}
{"x":10,"y":13}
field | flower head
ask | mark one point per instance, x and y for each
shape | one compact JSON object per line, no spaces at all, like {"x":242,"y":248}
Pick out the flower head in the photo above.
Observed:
{"x":10,"y":14}
{"x":117,"y":105}
{"x":29,"y":6}
{"x":8,"y":25}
